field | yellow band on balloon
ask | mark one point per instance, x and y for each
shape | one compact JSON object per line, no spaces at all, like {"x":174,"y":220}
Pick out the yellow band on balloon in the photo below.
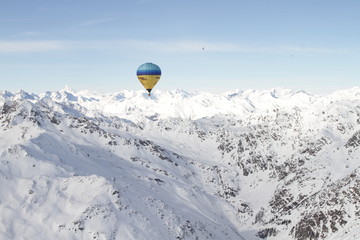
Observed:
{"x":149,"y":81}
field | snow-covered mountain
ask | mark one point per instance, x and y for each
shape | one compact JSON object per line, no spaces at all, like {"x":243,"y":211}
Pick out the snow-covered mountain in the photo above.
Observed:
{"x":273,"y":164}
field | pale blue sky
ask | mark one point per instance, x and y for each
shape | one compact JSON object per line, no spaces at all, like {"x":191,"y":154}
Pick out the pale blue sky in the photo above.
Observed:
{"x":204,"y":45}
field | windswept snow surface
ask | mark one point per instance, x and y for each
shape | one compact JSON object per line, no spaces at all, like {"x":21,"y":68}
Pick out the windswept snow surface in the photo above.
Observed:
{"x":246,"y":164}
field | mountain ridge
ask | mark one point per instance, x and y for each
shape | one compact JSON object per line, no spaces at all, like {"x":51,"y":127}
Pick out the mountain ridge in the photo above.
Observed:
{"x":246,"y":164}
{"x":194,"y":104}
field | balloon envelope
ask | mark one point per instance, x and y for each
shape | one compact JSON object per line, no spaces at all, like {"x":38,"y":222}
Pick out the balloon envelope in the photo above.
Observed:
{"x":148,"y":74}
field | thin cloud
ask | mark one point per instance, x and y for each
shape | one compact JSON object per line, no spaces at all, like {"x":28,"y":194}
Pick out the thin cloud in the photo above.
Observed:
{"x":13,"y":19}
{"x":95,"y":22}
{"x":225,"y":47}
{"x":299,"y":49}
{"x":32,"y":46}
{"x":28,"y":34}
{"x":177,"y":46}
{"x":158,"y":46}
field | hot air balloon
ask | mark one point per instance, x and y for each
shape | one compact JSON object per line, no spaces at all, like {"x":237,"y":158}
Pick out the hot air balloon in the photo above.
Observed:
{"x":148,"y":74}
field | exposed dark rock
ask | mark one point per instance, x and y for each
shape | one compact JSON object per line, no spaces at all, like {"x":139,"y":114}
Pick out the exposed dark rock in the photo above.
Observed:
{"x":267,"y":232}
{"x":354,"y":141}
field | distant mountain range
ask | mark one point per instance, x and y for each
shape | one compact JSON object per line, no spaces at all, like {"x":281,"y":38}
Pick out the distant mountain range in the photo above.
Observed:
{"x":246,"y":164}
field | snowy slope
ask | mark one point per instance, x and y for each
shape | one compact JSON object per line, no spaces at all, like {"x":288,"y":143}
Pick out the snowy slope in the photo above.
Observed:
{"x":273,"y":164}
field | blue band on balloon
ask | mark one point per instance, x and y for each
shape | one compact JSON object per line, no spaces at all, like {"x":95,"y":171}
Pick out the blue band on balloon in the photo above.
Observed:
{"x":148,"y":72}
